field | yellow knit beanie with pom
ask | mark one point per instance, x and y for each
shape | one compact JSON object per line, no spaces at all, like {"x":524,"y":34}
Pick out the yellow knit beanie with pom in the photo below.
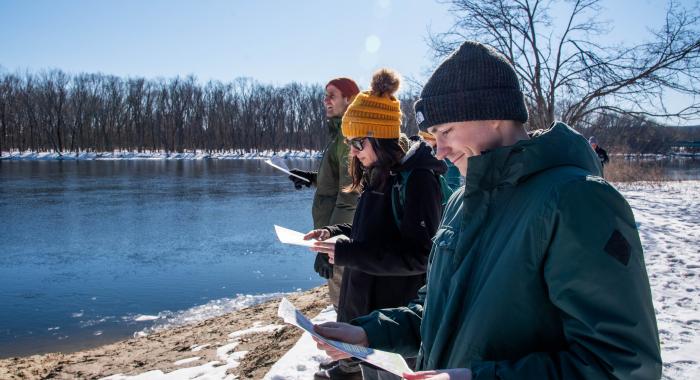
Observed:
{"x":375,"y":113}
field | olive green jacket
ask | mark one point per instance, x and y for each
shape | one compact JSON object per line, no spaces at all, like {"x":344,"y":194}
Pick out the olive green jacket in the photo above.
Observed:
{"x":537,"y":272}
{"x":331,"y":205}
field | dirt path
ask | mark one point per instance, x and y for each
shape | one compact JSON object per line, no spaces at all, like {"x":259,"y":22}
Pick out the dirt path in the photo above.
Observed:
{"x":160,"y":350}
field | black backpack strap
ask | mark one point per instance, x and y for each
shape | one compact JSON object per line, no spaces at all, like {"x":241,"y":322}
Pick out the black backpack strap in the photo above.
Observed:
{"x":398,"y":193}
{"x":398,"y":196}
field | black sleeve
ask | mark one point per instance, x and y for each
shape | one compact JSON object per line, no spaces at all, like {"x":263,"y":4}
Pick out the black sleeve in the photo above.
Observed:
{"x":340,"y":229}
{"x":409,"y":254}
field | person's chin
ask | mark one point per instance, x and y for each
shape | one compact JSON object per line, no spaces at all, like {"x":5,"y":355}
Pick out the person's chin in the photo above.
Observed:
{"x":460,"y":162}
{"x":457,"y":161}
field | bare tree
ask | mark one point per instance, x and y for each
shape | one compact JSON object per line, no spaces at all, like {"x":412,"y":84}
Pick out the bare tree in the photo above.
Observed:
{"x":567,"y":74}
{"x":96,"y":112}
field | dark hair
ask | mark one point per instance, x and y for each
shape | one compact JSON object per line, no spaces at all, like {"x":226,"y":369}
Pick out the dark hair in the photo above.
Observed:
{"x":389,"y":154}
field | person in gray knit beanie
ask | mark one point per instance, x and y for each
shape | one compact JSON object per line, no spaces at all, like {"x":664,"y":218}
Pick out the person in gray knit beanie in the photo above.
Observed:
{"x":537,"y":270}
{"x":474,"y":83}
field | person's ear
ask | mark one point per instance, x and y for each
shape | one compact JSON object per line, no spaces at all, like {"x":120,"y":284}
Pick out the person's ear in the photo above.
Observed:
{"x":495,"y":124}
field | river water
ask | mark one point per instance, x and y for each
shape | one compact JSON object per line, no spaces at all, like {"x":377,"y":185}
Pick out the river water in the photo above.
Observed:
{"x":94,"y":251}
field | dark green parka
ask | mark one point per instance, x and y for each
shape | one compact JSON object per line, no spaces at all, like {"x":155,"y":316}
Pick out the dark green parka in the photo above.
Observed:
{"x":331,"y":205}
{"x":537,"y":272}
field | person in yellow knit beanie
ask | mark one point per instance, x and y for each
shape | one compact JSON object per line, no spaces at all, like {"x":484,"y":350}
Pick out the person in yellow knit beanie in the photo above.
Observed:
{"x":375,"y":113}
{"x":386,"y":255}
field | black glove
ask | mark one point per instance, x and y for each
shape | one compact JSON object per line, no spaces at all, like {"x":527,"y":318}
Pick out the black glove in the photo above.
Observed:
{"x":322,"y":266}
{"x":298,"y":183}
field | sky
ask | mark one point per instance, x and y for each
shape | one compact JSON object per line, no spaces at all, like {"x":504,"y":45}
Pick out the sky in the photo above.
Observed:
{"x":273,"y":41}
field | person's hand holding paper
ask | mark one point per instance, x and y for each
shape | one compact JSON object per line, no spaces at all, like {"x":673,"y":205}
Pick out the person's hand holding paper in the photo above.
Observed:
{"x":302,"y":178}
{"x":354,"y":345}
{"x":341,"y":332}
{"x":323,"y":244}
{"x":287,"y":236}
{"x":299,"y":177}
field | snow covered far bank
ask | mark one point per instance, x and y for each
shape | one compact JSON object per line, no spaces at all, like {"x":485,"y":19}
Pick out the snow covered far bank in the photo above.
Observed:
{"x":237,"y":155}
{"x":655,"y":156}
{"x":157,"y":155}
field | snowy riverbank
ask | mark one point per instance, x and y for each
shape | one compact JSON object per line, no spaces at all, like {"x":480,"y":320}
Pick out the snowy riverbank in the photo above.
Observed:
{"x":251,"y":343}
{"x":241,"y":155}
{"x":125,"y":155}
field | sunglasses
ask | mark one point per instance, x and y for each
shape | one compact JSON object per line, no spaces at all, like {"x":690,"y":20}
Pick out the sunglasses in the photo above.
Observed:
{"x":357,"y":143}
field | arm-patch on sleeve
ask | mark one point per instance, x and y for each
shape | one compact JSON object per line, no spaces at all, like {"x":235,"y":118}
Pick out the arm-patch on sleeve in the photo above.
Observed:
{"x":618,"y":247}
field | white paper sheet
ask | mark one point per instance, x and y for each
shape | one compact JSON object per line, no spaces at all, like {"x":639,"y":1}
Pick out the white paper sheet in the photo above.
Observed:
{"x":279,"y":164}
{"x":287,"y":236}
{"x":388,"y":361}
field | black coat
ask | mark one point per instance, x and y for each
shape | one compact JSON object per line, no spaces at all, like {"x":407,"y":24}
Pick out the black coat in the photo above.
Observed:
{"x":385,"y":266}
{"x":602,"y":155}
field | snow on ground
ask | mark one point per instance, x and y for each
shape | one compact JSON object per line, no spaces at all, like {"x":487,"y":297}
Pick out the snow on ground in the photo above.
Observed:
{"x":157,"y":155}
{"x":668,"y":217}
{"x":302,"y":360}
{"x":227,"y":355}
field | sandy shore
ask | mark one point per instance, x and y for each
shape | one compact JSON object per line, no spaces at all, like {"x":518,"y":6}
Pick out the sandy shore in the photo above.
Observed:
{"x":162,"y":349}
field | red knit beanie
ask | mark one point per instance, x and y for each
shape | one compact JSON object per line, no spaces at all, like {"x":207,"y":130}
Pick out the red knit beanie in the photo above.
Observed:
{"x":347,"y":86}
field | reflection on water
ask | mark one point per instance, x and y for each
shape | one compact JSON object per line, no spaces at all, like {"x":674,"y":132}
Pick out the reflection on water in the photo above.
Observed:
{"x":679,"y":169}
{"x":88,"y":245}
{"x":661,"y":168}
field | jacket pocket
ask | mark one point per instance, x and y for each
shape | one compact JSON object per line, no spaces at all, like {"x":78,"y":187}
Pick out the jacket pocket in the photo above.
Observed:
{"x":444,"y":239}
{"x":444,"y":243}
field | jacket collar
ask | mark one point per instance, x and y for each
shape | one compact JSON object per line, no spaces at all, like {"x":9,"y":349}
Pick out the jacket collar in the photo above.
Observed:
{"x":334,"y":124}
{"x":557,"y":146}
{"x":420,"y":156}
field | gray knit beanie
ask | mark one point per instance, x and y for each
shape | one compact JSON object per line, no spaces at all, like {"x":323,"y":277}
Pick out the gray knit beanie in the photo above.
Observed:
{"x":474,"y":83}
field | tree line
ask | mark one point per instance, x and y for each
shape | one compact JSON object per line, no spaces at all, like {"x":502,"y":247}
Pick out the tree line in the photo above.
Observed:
{"x":615,"y":91}
{"x":55,"y":111}
{"x":628,"y":134}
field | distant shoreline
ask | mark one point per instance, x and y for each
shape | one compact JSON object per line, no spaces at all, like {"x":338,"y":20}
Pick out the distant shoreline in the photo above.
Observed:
{"x":655,"y":156}
{"x":237,"y":155}
{"x":157,"y":155}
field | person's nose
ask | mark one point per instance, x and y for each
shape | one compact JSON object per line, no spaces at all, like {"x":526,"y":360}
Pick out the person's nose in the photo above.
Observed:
{"x":441,"y":151}
{"x":353,"y":151}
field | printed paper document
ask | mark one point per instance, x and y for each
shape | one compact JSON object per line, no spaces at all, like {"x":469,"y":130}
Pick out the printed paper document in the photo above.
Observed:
{"x":388,"y":361}
{"x":287,"y":236}
{"x":279,"y":164}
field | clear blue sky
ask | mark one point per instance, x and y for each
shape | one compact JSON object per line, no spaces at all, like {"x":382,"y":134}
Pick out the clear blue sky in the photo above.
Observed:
{"x":273,"y":41}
